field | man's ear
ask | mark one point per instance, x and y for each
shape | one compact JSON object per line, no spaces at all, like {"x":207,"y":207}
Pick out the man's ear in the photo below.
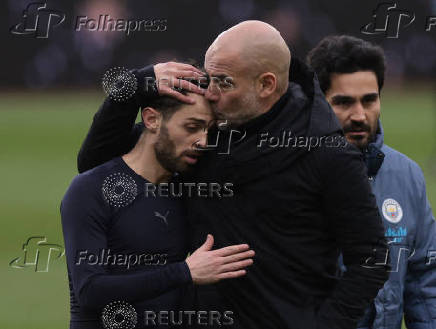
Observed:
{"x":267,"y":84}
{"x":151,"y":118}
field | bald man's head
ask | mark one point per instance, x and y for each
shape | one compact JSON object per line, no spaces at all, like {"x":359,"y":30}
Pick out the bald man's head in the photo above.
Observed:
{"x":258,"y":46}
{"x":255,"y":57}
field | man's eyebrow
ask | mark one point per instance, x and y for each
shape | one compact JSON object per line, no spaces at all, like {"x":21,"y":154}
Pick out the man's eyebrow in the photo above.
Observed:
{"x":338,"y":98}
{"x":370,"y":96}
{"x":219,"y":76}
{"x":196,"y":120}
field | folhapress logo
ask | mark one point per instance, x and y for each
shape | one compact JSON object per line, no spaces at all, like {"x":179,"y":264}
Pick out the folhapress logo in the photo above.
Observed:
{"x":388,"y":20}
{"x":37,"y":21}
{"x":37,"y":253}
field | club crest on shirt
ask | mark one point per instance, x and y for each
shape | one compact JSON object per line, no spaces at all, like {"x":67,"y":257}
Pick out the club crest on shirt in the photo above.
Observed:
{"x":392,"y":211}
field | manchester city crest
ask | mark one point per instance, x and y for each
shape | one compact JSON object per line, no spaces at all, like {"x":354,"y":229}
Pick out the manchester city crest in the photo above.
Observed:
{"x":392,"y":211}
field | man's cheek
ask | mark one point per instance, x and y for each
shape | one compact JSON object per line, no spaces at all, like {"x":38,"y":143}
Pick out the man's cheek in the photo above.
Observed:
{"x":374,"y":126}
{"x":341,"y":118}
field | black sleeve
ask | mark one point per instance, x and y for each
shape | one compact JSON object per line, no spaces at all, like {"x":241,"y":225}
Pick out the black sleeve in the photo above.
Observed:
{"x":113,"y":131}
{"x":358,"y":230}
{"x":85,"y":218}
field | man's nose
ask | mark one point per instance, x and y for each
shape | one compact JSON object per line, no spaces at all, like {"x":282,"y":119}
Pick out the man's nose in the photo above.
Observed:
{"x":202,"y":140}
{"x":212,"y":93}
{"x":358,"y":112}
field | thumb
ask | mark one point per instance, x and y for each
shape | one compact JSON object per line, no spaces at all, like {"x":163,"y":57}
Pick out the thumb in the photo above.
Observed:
{"x":208,"y":244}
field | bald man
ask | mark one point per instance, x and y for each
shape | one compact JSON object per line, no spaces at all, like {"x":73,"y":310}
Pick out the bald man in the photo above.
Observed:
{"x":300,"y":192}
{"x":254,"y":56}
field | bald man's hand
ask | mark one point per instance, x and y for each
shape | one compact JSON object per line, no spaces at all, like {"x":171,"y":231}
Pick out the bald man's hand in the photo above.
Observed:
{"x":171,"y":74}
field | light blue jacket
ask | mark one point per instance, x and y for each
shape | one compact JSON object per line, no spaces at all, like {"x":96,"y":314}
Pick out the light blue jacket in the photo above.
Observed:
{"x":399,"y":187}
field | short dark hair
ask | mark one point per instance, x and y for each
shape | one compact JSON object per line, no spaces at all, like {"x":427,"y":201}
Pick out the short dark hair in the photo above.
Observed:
{"x":166,"y":105}
{"x":346,"y":54}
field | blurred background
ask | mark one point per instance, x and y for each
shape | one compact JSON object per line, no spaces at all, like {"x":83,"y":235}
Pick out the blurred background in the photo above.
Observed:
{"x":50,"y":87}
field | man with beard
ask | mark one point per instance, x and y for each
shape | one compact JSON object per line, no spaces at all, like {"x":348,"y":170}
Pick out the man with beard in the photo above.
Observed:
{"x":351,"y":74}
{"x":124,"y":246}
{"x":297,"y":206}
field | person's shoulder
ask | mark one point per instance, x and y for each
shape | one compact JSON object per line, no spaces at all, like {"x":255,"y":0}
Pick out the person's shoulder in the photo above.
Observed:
{"x":94,"y":175}
{"x":399,"y":164}
{"x":335,"y":157}
{"x":335,"y":147}
{"x":90,"y":182}
{"x":397,"y":155}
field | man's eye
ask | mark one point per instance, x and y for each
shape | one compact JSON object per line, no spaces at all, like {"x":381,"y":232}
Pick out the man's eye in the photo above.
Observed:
{"x":226,"y":85}
{"x":343,"y":102}
{"x":192,"y":128}
{"x":368,"y":101}
{"x":223,"y":83}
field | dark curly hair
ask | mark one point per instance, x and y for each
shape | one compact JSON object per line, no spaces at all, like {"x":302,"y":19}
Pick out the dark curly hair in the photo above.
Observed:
{"x":346,"y":54}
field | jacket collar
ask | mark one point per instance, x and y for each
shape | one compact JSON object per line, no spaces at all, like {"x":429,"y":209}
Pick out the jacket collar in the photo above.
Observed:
{"x":373,"y":155}
{"x":303,"y":93}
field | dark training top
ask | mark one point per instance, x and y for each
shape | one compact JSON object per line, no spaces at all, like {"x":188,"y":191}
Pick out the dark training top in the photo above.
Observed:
{"x":121,"y":245}
{"x":298,"y":202}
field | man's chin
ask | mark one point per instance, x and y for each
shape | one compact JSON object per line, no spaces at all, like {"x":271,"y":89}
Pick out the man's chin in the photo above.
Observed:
{"x":361,"y":143}
{"x":185,"y":167}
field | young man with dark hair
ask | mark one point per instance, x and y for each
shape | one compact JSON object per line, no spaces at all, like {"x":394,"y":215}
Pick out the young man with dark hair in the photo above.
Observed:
{"x":351,"y":74}
{"x":125,"y":246}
